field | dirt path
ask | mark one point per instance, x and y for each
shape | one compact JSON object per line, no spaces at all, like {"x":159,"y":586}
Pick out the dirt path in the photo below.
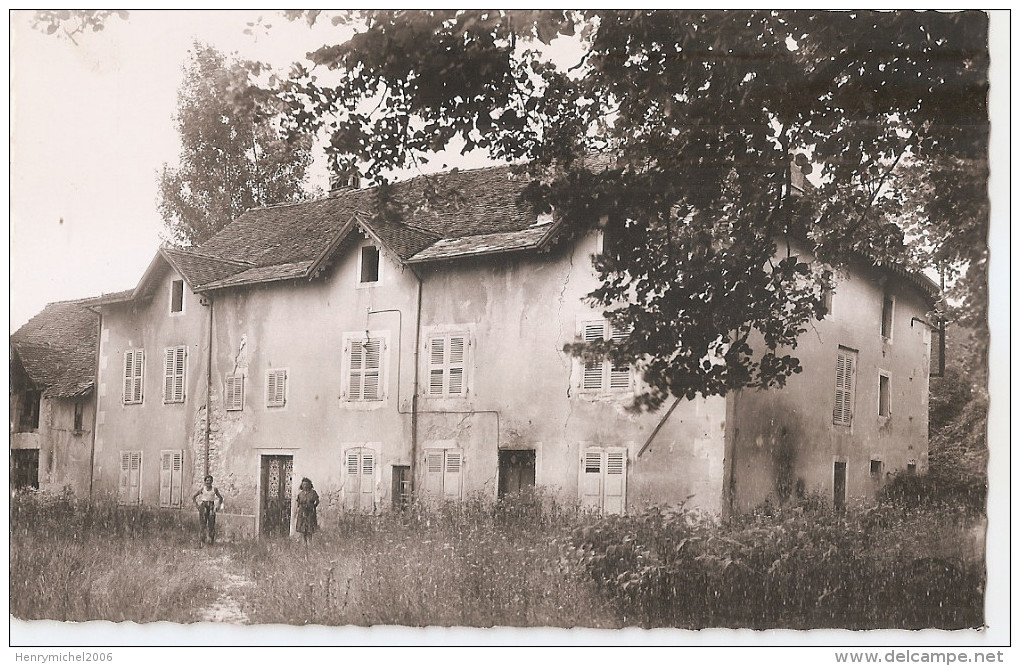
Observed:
{"x":216,"y":565}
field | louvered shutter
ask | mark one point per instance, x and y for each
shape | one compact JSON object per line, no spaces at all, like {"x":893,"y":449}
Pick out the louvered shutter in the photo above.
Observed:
{"x":168,"y":375}
{"x":615,"y":500}
{"x":455,"y":364}
{"x":434,"y":466}
{"x":180,"y":365}
{"x":370,"y":376}
{"x":367,"y":494}
{"x":234,"y":399}
{"x":452,"y":474}
{"x":590,"y":483}
{"x":166,"y":469}
{"x":129,"y":376}
{"x":352,"y":482}
{"x":139,"y":373}
{"x":124,"y":480}
{"x":842,"y":412}
{"x":354,"y":351}
{"x":437,"y":365}
{"x":177,"y":480}
{"x":134,"y":477}
{"x":276,"y":388}
{"x":593,"y":370}
{"x":619,"y":376}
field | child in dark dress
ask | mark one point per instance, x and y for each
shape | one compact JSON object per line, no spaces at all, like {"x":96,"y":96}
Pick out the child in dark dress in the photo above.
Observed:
{"x":307,"y":500}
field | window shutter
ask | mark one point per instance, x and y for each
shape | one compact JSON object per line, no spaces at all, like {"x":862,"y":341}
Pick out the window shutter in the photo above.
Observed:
{"x":437,"y":365}
{"x":434,"y":473}
{"x":124,"y":480}
{"x":234,"y":399}
{"x":139,"y":371}
{"x":842,"y":413}
{"x":590,"y":483}
{"x":593,"y":331}
{"x":166,"y":467}
{"x":373,"y":358}
{"x":354,"y":351}
{"x":451,"y":478}
{"x":129,"y":376}
{"x":352,"y":482}
{"x":619,"y":375}
{"x":134,"y":477}
{"x":168,"y":375}
{"x":180,"y":365}
{"x":276,"y":388}
{"x":616,"y":481}
{"x":177,"y":480}
{"x":367,"y":494}
{"x":458,"y":343}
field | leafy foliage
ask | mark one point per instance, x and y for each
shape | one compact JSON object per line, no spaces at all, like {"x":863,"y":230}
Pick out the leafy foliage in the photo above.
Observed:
{"x":234,"y":155}
{"x":699,"y":115}
{"x":70,"y":23}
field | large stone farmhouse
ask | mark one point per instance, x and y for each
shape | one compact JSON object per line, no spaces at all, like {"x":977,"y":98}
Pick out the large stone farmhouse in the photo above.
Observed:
{"x":424,"y":350}
{"x":52,"y":401}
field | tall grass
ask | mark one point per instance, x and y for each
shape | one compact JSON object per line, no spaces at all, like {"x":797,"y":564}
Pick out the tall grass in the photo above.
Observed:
{"x":75,"y":561}
{"x":466,"y":565}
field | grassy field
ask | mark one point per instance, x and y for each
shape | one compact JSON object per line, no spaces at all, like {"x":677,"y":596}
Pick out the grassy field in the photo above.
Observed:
{"x":514,"y":565}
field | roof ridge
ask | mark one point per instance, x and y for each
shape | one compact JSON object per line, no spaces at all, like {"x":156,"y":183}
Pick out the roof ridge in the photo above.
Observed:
{"x":204,"y":255}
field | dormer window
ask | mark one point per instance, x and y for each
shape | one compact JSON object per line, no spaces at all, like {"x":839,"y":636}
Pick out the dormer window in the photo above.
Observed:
{"x":177,"y":297}
{"x":368,"y":270}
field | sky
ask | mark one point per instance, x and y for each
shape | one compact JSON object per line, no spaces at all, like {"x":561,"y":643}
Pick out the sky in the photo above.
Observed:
{"x":92,"y":125}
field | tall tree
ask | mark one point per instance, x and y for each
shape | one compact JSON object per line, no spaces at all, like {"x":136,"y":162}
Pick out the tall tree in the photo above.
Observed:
{"x":700,"y":114}
{"x":234,"y":154}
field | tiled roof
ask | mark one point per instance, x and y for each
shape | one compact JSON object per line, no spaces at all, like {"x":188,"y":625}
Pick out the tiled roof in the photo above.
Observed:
{"x":277,"y":241}
{"x":57,"y":348}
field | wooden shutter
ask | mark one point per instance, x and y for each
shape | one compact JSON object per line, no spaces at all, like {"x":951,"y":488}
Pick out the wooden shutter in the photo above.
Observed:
{"x":166,"y":469}
{"x":452,"y":474}
{"x":842,"y":413}
{"x":180,"y":366}
{"x":177,"y":480}
{"x":615,"y":484}
{"x":168,"y":375}
{"x":134,"y":481}
{"x":590,"y":483}
{"x":619,"y":375}
{"x":455,"y":365}
{"x":276,"y":388}
{"x":139,"y":372}
{"x":234,"y":393}
{"x":367,"y":493}
{"x":593,"y":331}
{"x":372,"y":390}
{"x":437,"y":365}
{"x":123,"y":481}
{"x":134,"y":364}
{"x":434,"y":465}
{"x":352,"y":480}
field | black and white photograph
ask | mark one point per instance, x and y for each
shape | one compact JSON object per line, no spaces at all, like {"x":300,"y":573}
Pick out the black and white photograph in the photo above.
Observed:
{"x":510,"y":327}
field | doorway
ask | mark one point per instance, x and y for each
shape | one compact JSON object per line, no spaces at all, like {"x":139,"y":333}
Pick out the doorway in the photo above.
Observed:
{"x":25,"y":468}
{"x":516,"y":472}
{"x":277,"y":480}
{"x":401,"y":488}
{"x":839,"y":486}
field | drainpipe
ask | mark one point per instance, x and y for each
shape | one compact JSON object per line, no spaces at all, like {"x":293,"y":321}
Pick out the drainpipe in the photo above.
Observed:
{"x":95,"y":410}
{"x":208,"y":385}
{"x":414,"y":394}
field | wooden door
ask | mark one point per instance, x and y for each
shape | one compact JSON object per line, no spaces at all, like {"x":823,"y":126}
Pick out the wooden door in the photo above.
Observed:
{"x":277,"y":481}
{"x":516,"y":472}
{"x":839,"y":486}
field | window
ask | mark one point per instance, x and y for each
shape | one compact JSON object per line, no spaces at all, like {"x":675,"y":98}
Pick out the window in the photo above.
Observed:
{"x":175,"y":361}
{"x":233,"y":393}
{"x":359,"y":479}
{"x":876,"y":470}
{"x":177,"y":296}
{"x":603,"y":482}
{"x":446,"y":354}
{"x":276,"y":387}
{"x":368,"y":269}
{"x":171,"y":479}
{"x":28,"y":420}
{"x":603,"y":375}
{"x":912,"y":468}
{"x":129,"y":483}
{"x":443,"y":469}
{"x":888,"y":305}
{"x":884,"y":395}
{"x":364,"y":369}
{"x":846,"y":367}
{"x":134,"y":366}
{"x":79,"y":415}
